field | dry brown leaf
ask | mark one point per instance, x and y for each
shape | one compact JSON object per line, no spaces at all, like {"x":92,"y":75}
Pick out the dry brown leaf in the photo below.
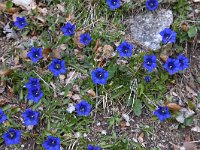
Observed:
{"x":46,"y":52}
{"x":91,"y":92}
{"x":6,"y":72}
{"x":70,"y":17}
{"x":141,"y":138}
{"x":57,"y":53}
{"x":108,"y":51}
{"x":98,"y":42}
{"x":163,"y":57}
{"x":173,"y":106}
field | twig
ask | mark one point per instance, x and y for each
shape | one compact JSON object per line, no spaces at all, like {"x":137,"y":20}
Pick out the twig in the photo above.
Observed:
{"x":42,"y":79}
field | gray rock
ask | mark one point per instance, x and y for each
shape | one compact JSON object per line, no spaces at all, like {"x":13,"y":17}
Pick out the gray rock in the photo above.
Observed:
{"x":145,"y":28}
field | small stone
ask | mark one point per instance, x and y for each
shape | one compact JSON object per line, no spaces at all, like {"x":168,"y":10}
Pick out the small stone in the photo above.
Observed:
{"x":145,"y":28}
{"x":30,"y":127}
{"x":70,"y":108}
{"x":127,"y":124}
{"x":103,"y":132}
{"x":99,"y":123}
{"x":84,"y":135}
{"x":77,"y":135}
{"x":196,"y":1}
{"x":125,"y":117}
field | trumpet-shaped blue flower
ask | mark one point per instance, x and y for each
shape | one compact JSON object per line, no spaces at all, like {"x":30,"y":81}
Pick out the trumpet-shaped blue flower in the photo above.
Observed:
{"x":168,"y":36}
{"x":57,"y":67}
{"x":83,"y":108}
{"x":172,"y":65}
{"x":91,"y":147}
{"x":30,"y":117}
{"x":35,"y":54}
{"x":125,"y":49}
{"x":147,"y":79}
{"x":35,"y":94}
{"x":113,"y":4}
{"x":152,"y":4}
{"x":184,"y":62}
{"x":33,"y":83}
{"x":68,"y":29}
{"x":52,"y":143}
{"x":162,"y":113}
{"x":85,"y":39}
{"x":21,"y":22}
{"x":150,"y":62}
{"x":12,"y":136}
{"x":100,"y":76}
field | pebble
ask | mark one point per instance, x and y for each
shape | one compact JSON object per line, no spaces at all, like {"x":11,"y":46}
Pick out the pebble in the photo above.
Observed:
{"x":103,"y":132}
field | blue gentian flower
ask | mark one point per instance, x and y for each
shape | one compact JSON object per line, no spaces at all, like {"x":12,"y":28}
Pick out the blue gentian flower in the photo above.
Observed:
{"x":21,"y":22}
{"x":30,"y":117}
{"x":90,"y":147}
{"x":35,"y":94}
{"x":52,"y":143}
{"x":68,"y":29}
{"x":57,"y":67}
{"x":150,"y":62}
{"x":35,"y":54}
{"x":147,"y":79}
{"x":113,"y":4}
{"x":83,"y":108}
{"x":172,"y":65}
{"x":168,"y":36}
{"x":33,"y":83}
{"x":100,"y":76}
{"x":125,"y":49}
{"x":151,"y":4}
{"x":2,"y":116}
{"x":12,"y":136}
{"x":85,"y":39}
{"x":162,"y":113}
{"x":184,"y":62}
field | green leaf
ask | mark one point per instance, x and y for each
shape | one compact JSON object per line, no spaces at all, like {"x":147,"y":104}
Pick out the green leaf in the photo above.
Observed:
{"x":137,"y":107}
{"x":63,"y":39}
{"x":112,"y":69}
{"x":188,"y":121}
{"x":9,"y":5}
{"x":192,"y":31}
{"x":141,"y":89}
